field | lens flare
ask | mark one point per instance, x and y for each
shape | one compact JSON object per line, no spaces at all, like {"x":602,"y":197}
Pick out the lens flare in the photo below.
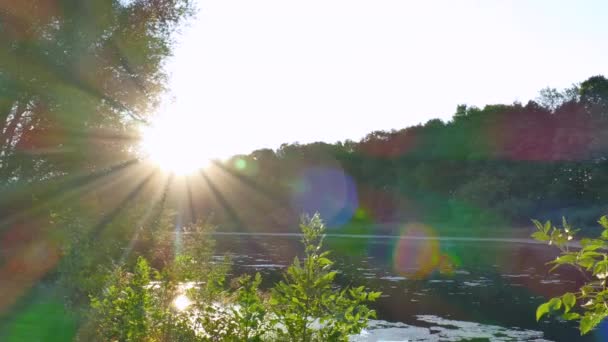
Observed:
{"x":418,"y":253}
{"x":329,"y":191}
{"x":240,"y":164}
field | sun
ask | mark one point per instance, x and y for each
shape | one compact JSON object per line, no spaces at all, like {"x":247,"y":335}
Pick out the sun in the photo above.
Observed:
{"x":175,"y":146}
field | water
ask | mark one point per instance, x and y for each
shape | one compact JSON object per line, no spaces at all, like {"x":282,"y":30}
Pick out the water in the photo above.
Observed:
{"x":433,"y":289}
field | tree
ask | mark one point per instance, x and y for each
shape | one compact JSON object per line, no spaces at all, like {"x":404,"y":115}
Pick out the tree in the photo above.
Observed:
{"x":550,"y":98}
{"x":594,"y":95}
{"x":75,"y":78}
{"x":75,"y":75}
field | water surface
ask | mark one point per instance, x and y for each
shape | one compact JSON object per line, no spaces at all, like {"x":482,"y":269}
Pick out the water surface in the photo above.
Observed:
{"x":447,"y":289}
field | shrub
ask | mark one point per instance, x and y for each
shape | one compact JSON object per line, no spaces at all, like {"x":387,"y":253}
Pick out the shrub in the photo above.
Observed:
{"x":307,"y":305}
{"x":124,"y":311}
{"x":589,"y":305}
{"x":250,"y":311}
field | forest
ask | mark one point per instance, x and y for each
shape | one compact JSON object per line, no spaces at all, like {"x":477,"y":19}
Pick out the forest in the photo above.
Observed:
{"x":486,"y":170}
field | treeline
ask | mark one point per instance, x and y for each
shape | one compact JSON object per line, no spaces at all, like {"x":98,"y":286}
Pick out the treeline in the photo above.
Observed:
{"x":491,"y":167}
{"x":482,"y":173}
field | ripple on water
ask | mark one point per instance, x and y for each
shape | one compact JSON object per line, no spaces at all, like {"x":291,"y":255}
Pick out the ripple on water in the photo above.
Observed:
{"x":393,"y":278}
{"x":264,"y":266}
{"x":516,"y":276}
{"x":463,"y":272}
{"x":438,"y":281}
{"x":442,"y":330}
{"x":477,"y":282}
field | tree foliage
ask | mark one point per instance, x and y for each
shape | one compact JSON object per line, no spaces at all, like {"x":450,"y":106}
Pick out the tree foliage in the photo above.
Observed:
{"x":588,"y":305}
{"x":486,"y":167}
{"x":74,"y":77}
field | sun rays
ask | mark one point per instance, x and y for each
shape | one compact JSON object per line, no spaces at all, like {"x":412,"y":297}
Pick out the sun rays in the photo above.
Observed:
{"x":135,"y":186}
{"x":173,"y":150}
{"x":182,"y":144}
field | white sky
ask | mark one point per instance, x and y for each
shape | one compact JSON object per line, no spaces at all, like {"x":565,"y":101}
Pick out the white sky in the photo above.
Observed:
{"x":253,"y":74}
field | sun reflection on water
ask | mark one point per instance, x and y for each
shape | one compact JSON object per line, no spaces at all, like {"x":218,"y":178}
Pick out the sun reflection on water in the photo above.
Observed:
{"x":181,"y":302}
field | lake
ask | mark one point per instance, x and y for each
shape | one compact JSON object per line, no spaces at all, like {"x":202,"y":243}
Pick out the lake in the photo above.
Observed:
{"x":447,"y":289}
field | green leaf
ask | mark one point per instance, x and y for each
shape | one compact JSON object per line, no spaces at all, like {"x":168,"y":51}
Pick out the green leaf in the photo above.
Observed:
{"x":587,"y":263}
{"x":545,"y":308}
{"x":373,"y":296}
{"x":586,"y":290}
{"x":565,"y":259}
{"x":547,"y":227}
{"x":601,"y":267}
{"x":603,"y":221}
{"x":586,"y":324}
{"x":569,"y":299}
{"x":555,"y":304}
{"x":542,"y":310}
{"x":592,"y":244}
{"x":324,"y":262}
{"x":570,"y":316}
{"x":540,"y":236}
{"x":538,"y":225}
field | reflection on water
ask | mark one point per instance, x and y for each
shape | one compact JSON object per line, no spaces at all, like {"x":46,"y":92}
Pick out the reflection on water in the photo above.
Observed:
{"x":182,"y":302}
{"x":433,"y":328}
{"x":491,"y":293}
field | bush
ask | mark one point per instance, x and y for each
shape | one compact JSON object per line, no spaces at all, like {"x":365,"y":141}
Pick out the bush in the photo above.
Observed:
{"x":250,"y":310}
{"x":589,"y":305}
{"x":308,"y":306}
{"x":125,"y":309}
{"x":305,"y":306}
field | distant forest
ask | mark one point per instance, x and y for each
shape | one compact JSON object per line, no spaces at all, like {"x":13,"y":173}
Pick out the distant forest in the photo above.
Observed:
{"x":485,"y":172}
{"x":487,"y":168}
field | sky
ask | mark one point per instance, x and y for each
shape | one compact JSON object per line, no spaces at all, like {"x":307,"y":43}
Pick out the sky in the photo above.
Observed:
{"x":255,"y":74}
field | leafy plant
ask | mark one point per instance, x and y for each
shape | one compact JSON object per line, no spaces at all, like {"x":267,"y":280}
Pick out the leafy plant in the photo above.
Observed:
{"x":134,"y":307}
{"x":307,"y":305}
{"x":195,"y":262}
{"x":124,"y":310}
{"x":589,"y":305}
{"x":250,"y":311}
